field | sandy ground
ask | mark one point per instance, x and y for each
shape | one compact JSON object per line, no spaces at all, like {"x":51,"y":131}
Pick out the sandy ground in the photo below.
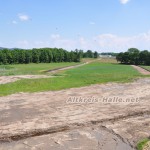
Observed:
{"x":8,"y":79}
{"x":76,"y":139}
{"x":107,"y":117}
{"x":141,"y":70}
{"x":147,"y":146}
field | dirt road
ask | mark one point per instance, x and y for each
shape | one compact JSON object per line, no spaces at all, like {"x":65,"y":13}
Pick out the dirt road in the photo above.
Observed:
{"x":52,"y":117}
{"x":69,"y":67}
{"x":141,"y":70}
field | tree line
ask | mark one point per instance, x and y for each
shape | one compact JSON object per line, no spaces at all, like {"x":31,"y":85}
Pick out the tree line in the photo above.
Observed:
{"x":134,"y":56}
{"x":109,"y":53}
{"x":43,"y":55}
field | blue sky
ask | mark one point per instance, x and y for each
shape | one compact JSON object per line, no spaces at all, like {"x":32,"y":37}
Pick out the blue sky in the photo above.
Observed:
{"x":102,"y":25}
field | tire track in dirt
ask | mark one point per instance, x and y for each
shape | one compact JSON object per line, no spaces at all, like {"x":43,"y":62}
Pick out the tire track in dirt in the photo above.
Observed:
{"x":56,"y":129}
{"x":47,"y":113}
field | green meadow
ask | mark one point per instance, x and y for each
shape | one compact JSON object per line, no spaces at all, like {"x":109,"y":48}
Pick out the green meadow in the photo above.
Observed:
{"x":32,"y":69}
{"x":93,"y":73}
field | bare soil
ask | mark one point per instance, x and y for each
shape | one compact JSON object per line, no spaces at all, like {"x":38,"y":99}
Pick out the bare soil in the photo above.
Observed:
{"x":46,"y":120}
{"x":141,"y":70}
{"x":69,"y":67}
{"x":9,"y":79}
{"x":147,"y":146}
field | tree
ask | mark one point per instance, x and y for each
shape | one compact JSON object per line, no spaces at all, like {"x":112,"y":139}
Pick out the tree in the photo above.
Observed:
{"x":15,"y":56}
{"x":50,"y":55}
{"x":89,"y":54}
{"x":77,"y":56}
{"x":21,"y":56}
{"x":134,"y":56}
{"x":119,"y":57}
{"x":35,"y":56}
{"x":43,"y":55}
{"x":72,"y":56}
{"x":147,"y":62}
{"x":96,"y":54}
{"x":66,"y":56}
{"x":1,"y":57}
{"x":143,"y":57}
{"x":4,"y":58}
{"x":126,"y":58}
{"x":81,"y":53}
{"x":28,"y":56}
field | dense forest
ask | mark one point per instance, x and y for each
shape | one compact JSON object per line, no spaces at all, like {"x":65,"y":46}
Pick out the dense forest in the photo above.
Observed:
{"x":134,"y":56}
{"x":43,"y":55}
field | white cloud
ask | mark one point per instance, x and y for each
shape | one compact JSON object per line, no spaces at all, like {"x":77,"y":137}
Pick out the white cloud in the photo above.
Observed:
{"x":84,"y":43}
{"x":55,"y":36}
{"x":124,"y":1}
{"x":23,"y":17}
{"x":14,"y":22}
{"x":57,"y":41}
{"x":40,"y":44}
{"x":101,"y":42}
{"x":112,"y":42}
{"x":23,"y":44}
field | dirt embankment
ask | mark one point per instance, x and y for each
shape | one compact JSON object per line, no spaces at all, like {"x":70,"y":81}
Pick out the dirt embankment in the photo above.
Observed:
{"x":121,"y":117}
{"x":141,"y":70}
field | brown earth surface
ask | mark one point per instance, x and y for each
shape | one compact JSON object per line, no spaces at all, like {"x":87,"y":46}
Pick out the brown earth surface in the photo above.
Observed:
{"x":141,"y":70}
{"x":113,"y":116}
{"x":147,"y":146}
{"x":9,"y":79}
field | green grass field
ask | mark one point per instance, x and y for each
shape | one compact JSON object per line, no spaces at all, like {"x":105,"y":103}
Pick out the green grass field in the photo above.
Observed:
{"x":31,"y":69}
{"x":93,"y":73}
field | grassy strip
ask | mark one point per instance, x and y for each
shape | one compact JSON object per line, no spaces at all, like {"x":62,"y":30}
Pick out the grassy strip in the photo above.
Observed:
{"x":93,"y":73}
{"x":31,"y":69}
{"x":142,"y":143}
